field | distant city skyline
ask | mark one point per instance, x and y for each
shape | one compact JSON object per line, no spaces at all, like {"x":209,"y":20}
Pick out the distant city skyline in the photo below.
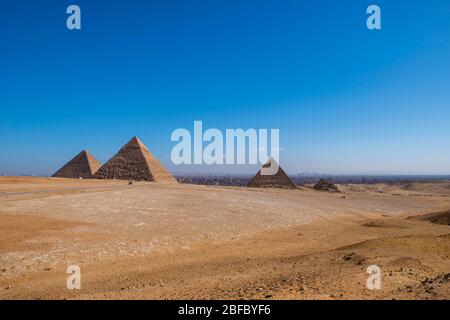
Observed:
{"x":347,"y":100}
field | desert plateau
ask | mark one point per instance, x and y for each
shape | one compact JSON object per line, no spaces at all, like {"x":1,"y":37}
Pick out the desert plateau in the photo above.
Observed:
{"x":179,"y":241}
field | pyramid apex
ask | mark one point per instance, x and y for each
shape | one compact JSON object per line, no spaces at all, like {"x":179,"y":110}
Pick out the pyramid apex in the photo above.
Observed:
{"x":137,"y":142}
{"x":86,"y":152}
{"x":136,"y":139}
{"x":270,"y":160}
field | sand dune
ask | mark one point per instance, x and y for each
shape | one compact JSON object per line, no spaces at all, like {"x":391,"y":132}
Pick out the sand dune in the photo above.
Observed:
{"x":185,"y":241}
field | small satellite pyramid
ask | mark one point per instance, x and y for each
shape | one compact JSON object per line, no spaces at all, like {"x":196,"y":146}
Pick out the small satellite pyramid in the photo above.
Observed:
{"x":84,"y":165}
{"x":134,"y":162}
{"x":277,"y":180}
{"x":324,"y":185}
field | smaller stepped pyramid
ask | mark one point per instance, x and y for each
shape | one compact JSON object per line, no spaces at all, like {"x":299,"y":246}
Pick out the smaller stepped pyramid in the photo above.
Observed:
{"x":134,"y":162}
{"x":278,"y":180}
{"x":324,"y":185}
{"x":84,"y":165}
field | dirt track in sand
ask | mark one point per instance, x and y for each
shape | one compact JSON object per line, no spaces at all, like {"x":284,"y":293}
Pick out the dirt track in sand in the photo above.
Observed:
{"x":148,"y":241}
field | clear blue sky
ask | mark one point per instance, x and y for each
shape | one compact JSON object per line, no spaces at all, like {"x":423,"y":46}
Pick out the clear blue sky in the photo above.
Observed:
{"x":346,"y":99}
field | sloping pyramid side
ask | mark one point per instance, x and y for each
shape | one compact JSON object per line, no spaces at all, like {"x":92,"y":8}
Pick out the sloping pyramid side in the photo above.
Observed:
{"x":83,"y":165}
{"x":278,"y":180}
{"x":135,"y":162}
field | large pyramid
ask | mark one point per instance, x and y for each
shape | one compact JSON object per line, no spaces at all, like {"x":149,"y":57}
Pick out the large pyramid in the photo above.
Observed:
{"x":134,"y":162}
{"x":278,"y":180}
{"x":84,"y":165}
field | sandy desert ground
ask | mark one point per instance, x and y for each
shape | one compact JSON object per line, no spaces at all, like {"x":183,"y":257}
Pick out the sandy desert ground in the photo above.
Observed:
{"x":156,"y":241}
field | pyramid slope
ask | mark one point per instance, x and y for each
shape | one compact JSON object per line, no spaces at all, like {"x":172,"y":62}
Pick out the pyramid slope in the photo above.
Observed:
{"x":83,"y":165}
{"x":135,"y":162}
{"x":278,"y":180}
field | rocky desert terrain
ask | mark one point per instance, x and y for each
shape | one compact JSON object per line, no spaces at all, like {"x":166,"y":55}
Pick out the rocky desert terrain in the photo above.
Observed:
{"x":158,"y":241}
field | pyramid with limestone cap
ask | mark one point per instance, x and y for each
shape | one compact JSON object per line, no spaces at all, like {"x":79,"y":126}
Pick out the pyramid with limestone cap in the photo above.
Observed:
{"x":83,"y":165}
{"x":135,"y":162}
{"x":277,"y":180}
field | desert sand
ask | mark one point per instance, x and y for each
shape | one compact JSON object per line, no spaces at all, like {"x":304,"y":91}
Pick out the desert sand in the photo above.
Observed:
{"x":158,"y":241}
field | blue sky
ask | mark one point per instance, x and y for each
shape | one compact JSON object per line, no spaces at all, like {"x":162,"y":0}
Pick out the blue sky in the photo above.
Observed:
{"x":346,"y":99}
